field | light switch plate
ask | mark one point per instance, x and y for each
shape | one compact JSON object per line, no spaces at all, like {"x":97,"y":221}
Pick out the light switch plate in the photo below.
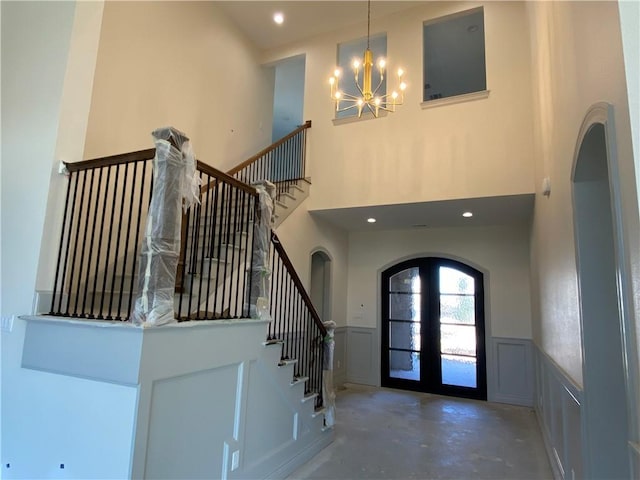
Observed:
{"x":7,"y":323}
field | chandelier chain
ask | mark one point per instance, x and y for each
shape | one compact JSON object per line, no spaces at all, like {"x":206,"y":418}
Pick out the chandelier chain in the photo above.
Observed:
{"x":368,"y":21}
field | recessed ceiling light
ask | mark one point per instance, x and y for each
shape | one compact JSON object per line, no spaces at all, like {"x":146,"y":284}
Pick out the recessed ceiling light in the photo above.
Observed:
{"x":467,"y":214}
{"x":278,"y":17}
{"x":371,"y":220}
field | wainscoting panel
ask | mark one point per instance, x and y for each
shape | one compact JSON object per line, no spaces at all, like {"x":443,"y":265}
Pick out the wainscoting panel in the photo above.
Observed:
{"x":511,"y":377}
{"x":362,"y":351}
{"x":340,"y":357}
{"x":558,"y":408}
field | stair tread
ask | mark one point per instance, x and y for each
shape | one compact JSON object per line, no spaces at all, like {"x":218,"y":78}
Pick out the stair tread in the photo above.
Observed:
{"x":308,"y":397}
{"x":298,"y":380}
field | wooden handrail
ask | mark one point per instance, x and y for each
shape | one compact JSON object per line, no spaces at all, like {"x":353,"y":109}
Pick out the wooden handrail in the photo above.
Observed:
{"x":266,"y":150}
{"x":119,"y":159}
{"x":297,"y":282}
{"x":149,"y":154}
{"x":220,"y":175}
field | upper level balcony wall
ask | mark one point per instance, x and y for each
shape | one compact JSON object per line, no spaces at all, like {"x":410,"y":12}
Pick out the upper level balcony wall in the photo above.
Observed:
{"x":472,"y":149}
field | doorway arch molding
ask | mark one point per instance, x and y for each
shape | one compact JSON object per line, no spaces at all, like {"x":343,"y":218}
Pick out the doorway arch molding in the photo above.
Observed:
{"x":486,"y":275}
{"x":601,"y":115}
{"x":327,"y":290}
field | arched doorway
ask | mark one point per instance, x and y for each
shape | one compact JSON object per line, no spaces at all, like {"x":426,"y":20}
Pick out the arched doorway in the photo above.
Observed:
{"x":433,"y":337}
{"x":600,"y":264}
{"x":320,"y":285}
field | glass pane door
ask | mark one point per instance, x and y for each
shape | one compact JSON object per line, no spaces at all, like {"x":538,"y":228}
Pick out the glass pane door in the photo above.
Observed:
{"x":432,"y":337}
{"x":458,"y":352}
{"x":404,"y":324}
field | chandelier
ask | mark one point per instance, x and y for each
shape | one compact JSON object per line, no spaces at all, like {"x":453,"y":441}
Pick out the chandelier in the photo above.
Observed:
{"x":368,"y":98}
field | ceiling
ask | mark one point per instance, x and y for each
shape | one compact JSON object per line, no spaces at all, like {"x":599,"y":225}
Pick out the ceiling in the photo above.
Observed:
{"x":487,"y":211}
{"x":303,"y":19}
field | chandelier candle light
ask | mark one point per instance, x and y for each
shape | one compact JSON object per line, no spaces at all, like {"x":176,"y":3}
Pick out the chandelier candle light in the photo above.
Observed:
{"x":368,"y":98}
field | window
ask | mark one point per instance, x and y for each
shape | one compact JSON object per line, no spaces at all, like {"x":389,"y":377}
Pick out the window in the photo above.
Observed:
{"x":454,"y":57}
{"x":354,"y":49}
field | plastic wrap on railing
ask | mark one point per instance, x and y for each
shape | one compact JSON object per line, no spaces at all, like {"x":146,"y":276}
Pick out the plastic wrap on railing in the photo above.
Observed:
{"x":260,"y":271}
{"x":174,"y":181}
{"x":328,"y":390}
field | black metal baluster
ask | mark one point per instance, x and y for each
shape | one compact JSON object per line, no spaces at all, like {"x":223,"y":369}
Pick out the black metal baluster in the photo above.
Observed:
{"x":139,"y":227}
{"x":235,"y":268}
{"x":247,"y":265}
{"x":63,"y":231}
{"x":183,"y":249}
{"x":118,"y":234}
{"x":128,"y":235}
{"x":220,"y":237}
{"x":193,"y":262}
{"x":100,"y":242}
{"x":230,"y":220}
{"x":106,"y":260}
{"x":88,"y":201}
{"x":93,"y":234}
{"x":204,"y":254}
{"x":75,"y":254}
{"x":213,"y":213}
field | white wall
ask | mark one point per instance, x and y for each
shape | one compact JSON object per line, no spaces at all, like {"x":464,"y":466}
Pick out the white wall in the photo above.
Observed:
{"x":35,"y":45}
{"x":182,"y":64}
{"x":573,"y":68}
{"x":502,"y":252}
{"x":36,"y":40}
{"x":72,"y":128}
{"x":301,"y":234}
{"x":473,"y":149}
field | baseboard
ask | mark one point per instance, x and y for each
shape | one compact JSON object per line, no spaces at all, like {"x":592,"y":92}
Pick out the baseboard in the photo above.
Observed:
{"x":303,"y":457}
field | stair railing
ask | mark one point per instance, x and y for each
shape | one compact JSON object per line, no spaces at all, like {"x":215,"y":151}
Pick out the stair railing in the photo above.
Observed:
{"x":104,"y":215}
{"x":214,"y":272}
{"x":282,"y":163}
{"x":295,"y":321}
{"x":106,"y":205}
{"x":103,"y":221}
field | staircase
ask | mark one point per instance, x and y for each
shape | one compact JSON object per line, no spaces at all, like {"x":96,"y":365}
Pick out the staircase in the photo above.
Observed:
{"x":97,"y":271}
{"x":295,"y":193}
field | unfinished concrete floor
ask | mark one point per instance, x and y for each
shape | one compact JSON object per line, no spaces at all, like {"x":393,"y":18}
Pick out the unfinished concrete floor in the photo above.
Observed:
{"x":394,"y":434}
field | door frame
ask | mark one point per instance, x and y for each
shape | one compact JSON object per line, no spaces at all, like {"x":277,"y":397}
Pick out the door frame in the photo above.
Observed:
{"x":489,"y":349}
{"x":603,"y":114}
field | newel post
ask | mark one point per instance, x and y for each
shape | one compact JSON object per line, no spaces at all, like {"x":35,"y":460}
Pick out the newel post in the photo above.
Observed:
{"x":259,"y":306}
{"x":174,"y":180}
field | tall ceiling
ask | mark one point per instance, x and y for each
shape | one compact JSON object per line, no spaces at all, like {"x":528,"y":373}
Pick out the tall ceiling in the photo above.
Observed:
{"x":306,"y":19}
{"x":303,"y":19}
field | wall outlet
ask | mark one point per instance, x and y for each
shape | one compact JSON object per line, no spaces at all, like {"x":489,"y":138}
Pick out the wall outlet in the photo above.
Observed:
{"x":7,"y":323}
{"x":235,"y":460}
{"x":338,"y":364}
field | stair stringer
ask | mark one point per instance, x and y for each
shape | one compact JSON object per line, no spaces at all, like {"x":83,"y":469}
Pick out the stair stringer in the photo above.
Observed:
{"x":285,"y":429}
{"x":290,"y":200}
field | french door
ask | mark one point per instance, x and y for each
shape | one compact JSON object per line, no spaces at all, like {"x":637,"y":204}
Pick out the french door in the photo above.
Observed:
{"x":433,"y":328}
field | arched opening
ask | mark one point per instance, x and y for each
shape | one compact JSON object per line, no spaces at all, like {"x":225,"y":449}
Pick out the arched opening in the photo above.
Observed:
{"x":433,"y":333}
{"x":320,"y":287}
{"x":605,"y":415}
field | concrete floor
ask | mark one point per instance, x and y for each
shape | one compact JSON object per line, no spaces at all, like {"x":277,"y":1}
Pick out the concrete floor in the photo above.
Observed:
{"x":394,"y":434}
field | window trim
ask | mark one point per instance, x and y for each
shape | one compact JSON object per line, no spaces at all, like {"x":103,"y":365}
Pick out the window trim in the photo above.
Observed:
{"x":465,"y":97}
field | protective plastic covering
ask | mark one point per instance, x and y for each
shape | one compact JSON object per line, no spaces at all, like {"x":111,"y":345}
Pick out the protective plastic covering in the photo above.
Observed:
{"x":328,"y":391}
{"x":175,"y":179}
{"x":259,"y":306}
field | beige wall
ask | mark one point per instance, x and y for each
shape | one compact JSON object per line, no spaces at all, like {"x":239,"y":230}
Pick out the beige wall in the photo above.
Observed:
{"x":474,"y":149}
{"x":182,"y":64}
{"x":301,"y":234}
{"x":577,"y":62}
{"x":500,"y":252}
